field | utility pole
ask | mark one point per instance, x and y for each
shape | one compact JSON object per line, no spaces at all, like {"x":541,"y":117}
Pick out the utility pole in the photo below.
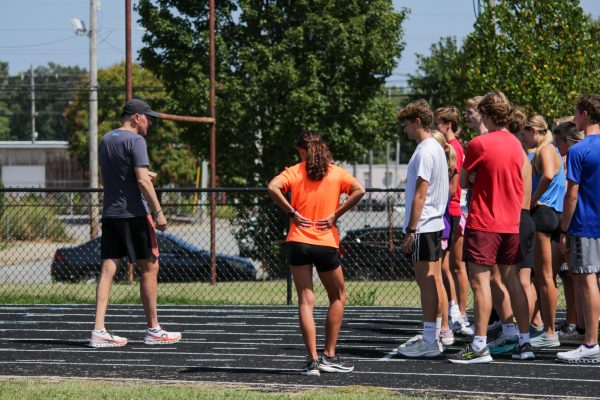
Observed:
{"x":93,"y":120}
{"x":33,"y":132}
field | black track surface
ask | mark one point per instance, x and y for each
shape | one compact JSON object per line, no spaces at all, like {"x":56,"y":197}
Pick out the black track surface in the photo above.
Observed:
{"x":262,"y":345}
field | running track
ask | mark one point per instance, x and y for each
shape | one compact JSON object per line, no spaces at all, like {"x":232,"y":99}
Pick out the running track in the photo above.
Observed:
{"x":262,"y":346}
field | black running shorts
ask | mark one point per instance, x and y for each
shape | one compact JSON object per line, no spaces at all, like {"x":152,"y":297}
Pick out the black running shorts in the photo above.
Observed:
{"x":546,"y":219}
{"x":126,"y":237}
{"x":426,"y":247}
{"x":324,"y":258}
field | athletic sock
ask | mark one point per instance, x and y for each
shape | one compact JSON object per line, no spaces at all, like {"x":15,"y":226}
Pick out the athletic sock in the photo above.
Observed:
{"x":523,"y":338}
{"x":509,"y":330}
{"x":465,"y":318}
{"x":479,"y":343}
{"x":429,"y":332}
{"x":590,"y":346}
{"x":454,"y":311}
{"x":154,"y":330}
{"x":438,"y":327}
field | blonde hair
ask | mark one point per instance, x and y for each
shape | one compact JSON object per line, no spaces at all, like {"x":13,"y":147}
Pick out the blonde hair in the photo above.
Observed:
{"x":537,"y":123}
{"x":496,"y":106}
{"x":473,"y":102}
{"x":318,"y":156}
{"x":448,"y":149}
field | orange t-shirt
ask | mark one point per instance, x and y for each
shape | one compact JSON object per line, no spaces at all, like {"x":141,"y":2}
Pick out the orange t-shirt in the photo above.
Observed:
{"x":315,"y":200}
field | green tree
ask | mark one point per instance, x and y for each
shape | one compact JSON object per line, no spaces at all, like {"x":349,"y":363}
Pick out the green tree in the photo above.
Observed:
{"x":542,"y":54}
{"x":173,"y":161}
{"x":54,"y":88}
{"x":282,"y":67}
{"x":5,"y":112}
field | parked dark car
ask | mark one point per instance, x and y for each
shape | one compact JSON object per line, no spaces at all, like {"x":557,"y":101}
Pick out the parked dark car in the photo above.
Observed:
{"x":374,"y":254}
{"x":179,"y":260}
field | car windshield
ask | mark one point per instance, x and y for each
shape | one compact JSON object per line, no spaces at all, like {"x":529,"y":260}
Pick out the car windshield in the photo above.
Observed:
{"x":165,"y":238}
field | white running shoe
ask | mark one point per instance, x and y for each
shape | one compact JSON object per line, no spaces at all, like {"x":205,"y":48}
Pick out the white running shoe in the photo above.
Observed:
{"x":545,"y":341}
{"x":420,"y":348}
{"x":580,"y":355}
{"x":103,"y":338}
{"x":447,"y":337}
{"x":161,"y":337}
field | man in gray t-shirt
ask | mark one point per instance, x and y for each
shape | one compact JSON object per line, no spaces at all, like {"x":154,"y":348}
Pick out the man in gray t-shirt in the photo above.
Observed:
{"x":130,"y":214}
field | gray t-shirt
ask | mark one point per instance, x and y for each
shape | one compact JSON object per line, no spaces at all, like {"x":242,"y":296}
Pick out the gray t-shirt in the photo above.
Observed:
{"x":120,"y":152}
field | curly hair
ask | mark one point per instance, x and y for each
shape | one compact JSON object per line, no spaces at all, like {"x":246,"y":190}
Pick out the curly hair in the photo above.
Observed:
{"x":318,"y":156}
{"x":496,"y":106}
{"x":516,"y":121}
{"x":417,"y":109}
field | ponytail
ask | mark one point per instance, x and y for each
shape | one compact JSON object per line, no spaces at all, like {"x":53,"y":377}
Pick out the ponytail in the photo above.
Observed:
{"x":318,"y":156}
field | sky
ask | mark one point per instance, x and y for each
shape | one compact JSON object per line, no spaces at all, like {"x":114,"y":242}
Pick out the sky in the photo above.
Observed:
{"x":35,"y":32}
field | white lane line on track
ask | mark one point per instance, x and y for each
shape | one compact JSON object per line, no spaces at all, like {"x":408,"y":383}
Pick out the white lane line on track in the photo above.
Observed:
{"x":235,"y":385}
{"x":130,"y":359}
{"x":150,"y":350}
{"x":254,"y":368}
{"x":236,"y":348}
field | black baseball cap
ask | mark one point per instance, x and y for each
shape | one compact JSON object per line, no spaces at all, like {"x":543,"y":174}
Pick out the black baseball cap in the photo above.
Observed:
{"x":137,"y":106}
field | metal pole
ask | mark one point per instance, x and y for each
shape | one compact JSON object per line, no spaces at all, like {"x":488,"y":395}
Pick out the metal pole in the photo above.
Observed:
{"x":33,"y":133}
{"x":128,"y":81}
{"x":213,"y":151}
{"x":93,"y":120}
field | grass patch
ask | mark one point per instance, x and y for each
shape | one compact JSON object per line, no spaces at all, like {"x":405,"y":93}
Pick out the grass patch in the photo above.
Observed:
{"x":360,"y":293}
{"x":79,"y":389}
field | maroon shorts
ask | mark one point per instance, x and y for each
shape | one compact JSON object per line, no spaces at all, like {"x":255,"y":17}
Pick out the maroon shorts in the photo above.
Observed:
{"x":489,"y":248}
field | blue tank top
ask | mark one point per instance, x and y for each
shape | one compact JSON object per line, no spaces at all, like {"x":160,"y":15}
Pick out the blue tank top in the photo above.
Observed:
{"x":555,"y":194}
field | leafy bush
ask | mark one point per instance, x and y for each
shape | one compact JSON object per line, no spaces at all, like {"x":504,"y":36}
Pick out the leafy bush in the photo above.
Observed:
{"x":31,"y":219}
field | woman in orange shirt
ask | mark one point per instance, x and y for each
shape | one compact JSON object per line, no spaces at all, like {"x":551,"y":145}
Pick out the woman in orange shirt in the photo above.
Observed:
{"x":316,"y":185}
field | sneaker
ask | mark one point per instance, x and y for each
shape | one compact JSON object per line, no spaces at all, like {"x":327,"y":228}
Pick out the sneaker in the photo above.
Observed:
{"x":504,"y":345}
{"x":580,"y":355}
{"x":494,"y":328}
{"x":545,"y":341}
{"x":333,"y":364}
{"x":160,"y":336}
{"x":409,"y":341}
{"x":447,"y":337}
{"x":470,"y":356}
{"x":311,"y":368}
{"x":523,"y":352}
{"x":569,"y":335}
{"x":420,"y":348}
{"x":535,"y":331}
{"x":104,"y":338}
{"x":461,"y":327}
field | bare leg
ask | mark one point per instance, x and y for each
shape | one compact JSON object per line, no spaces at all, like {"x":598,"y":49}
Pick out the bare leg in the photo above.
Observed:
{"x":107,"y":274}
{"x":425,"y":272}
{"x":525,"y":281}
{"x":518,"y":296}
{"x":149,"y":289}
{"x":480,"y":283}
{"x":449,"y":289}
{"x":459,"y":269}
{"x":588,"y":285}
{"x":334,"y":284}
{"x":545,"y":279}
{"x":500,"y":296}
{"x":306,"y":303}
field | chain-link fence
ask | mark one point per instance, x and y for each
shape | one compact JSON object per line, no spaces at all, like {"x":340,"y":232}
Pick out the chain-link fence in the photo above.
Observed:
{"x":50,"y":249}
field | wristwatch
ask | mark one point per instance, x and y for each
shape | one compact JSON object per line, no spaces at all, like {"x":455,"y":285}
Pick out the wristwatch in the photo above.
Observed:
{"x":410,"y":230}
{"x":292,"y":213}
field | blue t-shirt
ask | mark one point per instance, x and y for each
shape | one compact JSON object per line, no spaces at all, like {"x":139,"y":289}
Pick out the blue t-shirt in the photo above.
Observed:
{"x":119,"y":153}
{"x":583,"y":168}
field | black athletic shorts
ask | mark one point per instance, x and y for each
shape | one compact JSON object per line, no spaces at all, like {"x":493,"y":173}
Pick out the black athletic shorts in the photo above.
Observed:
{"x":324,"y":258}
{"x":426,"y":247}
{"x":527,"y":239}
{"x":546,"y":219}
{"x":454,"y":222}
{"x":128,"y":237}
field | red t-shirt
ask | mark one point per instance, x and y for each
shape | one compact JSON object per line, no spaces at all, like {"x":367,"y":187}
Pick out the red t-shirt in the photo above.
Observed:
{"x":315,"y":200}
{"x":497,"y":194}
{"x":454,"y":206}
